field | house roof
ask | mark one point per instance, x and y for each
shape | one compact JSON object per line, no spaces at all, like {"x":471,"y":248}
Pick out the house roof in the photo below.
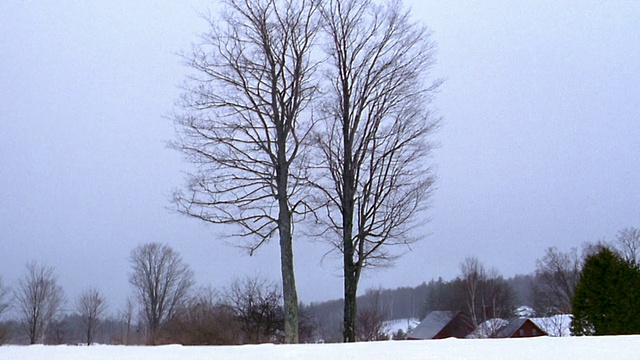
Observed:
{"x":510,"y":328}
{"x":432,"y":324}
{"x":514,"y":324}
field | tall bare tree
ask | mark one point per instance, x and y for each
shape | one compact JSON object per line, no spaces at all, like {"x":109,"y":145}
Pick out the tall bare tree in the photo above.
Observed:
{"x":91,"y":307}
{"x":374,"y":139}
{"x":557,"y":274}
{"x":162,"y":282}
{"x":39,"y":299}
{"x":245,"y":121}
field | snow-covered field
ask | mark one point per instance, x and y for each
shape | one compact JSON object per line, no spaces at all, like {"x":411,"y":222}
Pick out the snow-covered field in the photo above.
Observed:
{"x":583,"y":348}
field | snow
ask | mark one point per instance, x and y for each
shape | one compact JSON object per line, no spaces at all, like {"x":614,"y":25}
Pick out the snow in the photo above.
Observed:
{"x":488,"y":328}
{"x":390,"y":327}
{"x":584,"y":348}
{"x":557,"y":325}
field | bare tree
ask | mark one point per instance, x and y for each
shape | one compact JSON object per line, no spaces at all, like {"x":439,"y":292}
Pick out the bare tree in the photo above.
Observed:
{"x":258,"y":306}
{"x":59,"y":331}
{"x":497,"y":302}
{"x":376,"y":179}
{"x":126,"y":318}
{"x":39,"y":299}
{"x":206,"y":320}
{"x":628,"y":243}
{"x":5,"y":292}
{"x":245,"y":122}
{"x":557,"y":274}
{"x":555,"y":325}
{"x":487,"y":296}
{"x":473,"y":274}
{"x":5,"y":302}
{"x":91,"y":307}
{"x":162,"y":282}
{"x":371,"y":317}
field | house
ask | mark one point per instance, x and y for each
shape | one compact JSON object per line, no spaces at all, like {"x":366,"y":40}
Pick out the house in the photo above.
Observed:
{"x":442,"y":324}
{"x":512,"y":328}
{"x":518,"y":328}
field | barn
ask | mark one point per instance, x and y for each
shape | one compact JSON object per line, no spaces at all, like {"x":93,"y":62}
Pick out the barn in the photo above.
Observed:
{"x":519,"y":328}
{"x":441,"y":325}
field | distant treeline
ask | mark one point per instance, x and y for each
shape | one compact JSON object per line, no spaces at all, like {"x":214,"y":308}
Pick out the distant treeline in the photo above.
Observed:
{"x":600,"y":286}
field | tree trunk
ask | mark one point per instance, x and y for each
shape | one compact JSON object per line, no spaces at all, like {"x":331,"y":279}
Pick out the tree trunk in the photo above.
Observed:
{"x":350,"y":278}
{"x":289,"y":293}
{"x":33,"y":335}
{"x":350,"y":299}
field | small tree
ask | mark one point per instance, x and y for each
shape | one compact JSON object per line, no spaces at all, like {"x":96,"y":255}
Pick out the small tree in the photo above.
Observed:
{"x":5,"y":292}
{"x":556,"y":325}
{"x":205,"y":320}
{"x":497,"y":302}
{"x":399,"y":335}
{"x":257,"y":304}
{"x":473,"y":274}
{"x":309,"y":327}
{"x":59,"y":331}
{"x":371,"y":317}
{"x":628,"y":243}
{"x":607,"y":297}
{"x":162,"y":282}
{"x":91,"y":307}
{"x":4,"y":297}
{"x":557,"y":275}
{"x":126,"y":315}
{"x":486,"y":294}
{"x":39,"y":299}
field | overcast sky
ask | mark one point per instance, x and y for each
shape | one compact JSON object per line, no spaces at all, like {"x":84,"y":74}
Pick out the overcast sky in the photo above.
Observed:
{"x":540,"y":144}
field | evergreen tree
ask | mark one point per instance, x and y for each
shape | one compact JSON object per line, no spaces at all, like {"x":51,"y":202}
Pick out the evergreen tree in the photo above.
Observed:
{"x":607,"y":297}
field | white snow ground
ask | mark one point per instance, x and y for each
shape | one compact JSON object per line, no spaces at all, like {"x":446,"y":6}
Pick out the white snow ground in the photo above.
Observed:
{"x":583,"y":348}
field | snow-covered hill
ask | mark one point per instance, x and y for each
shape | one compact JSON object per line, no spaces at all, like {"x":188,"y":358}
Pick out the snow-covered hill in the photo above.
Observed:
{"x":583,"y":348}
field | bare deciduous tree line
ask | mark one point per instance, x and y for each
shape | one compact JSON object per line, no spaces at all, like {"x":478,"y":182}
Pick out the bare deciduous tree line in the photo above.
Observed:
{"x":38,"y":303}
{"x":164,"y":308}
{"x":167,"y":308}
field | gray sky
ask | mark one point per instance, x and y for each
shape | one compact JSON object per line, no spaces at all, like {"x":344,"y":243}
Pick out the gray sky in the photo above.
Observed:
{"x":539,"y":146}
